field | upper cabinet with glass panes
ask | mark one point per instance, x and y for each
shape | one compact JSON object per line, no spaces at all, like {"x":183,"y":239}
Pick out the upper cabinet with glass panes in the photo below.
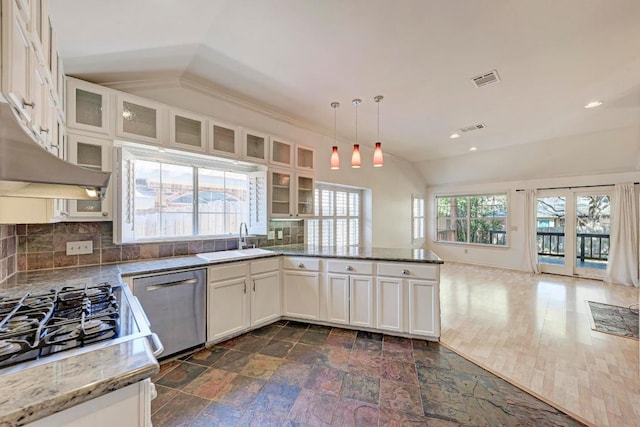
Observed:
{"x":88,"y":107}
{"x":255,"y":146}
{"x":187,"y":131}
{"x":224,"y":139}
{"x":281,"y":153}
{"x":305,"y":158}
{"x":139,"y":119}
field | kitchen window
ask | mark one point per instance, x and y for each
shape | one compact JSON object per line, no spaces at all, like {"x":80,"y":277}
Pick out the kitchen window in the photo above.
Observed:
{"x":182,"y":197}
{"x":338,"y":211}
{"x":417,"y":218}
{"x":479,"y":219}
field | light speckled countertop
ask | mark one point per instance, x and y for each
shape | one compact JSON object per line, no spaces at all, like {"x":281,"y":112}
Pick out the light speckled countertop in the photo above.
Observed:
{"x":35,"y":392}
{"x":354,"y":252}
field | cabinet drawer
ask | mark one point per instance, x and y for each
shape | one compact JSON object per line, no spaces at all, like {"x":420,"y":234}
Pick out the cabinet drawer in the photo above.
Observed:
{"x":413,"y":270}
{"x":229,"y":271}
{"x":350,"y":267}
{"x":301,"y":263}
{"x":263,"y":266}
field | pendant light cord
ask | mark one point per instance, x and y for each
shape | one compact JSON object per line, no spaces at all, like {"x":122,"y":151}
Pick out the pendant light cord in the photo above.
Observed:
{"x":378,"y":120}
{"x":356,"y":123}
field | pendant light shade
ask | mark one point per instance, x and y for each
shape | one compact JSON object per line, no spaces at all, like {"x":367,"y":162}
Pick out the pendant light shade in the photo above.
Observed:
{"x":355,"y":157}
{"x":377,"y":154}
{"x":335,"y":159}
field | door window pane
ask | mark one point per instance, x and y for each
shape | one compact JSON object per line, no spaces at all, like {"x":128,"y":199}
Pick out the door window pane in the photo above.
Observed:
{"x":551,"y":218}
{"x":593,"y":220}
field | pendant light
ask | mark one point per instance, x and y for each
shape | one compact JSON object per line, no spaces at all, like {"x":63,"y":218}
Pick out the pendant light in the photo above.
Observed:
{"x":355,"y":157}
{"x":335,"y":159}
{"x":377,"y":154}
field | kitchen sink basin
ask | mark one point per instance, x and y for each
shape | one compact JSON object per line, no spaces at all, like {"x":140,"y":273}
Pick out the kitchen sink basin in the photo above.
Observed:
{"x":233,"y":254}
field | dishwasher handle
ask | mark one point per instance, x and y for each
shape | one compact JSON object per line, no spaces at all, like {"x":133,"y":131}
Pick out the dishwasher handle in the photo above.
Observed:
{"x":169,"y":284}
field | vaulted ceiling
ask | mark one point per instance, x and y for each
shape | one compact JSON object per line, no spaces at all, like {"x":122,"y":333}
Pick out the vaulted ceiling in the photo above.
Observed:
{"x":297,"y":56}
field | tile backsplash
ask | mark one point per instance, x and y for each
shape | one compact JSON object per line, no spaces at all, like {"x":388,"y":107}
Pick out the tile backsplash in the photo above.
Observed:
{"x":43,"y":246}
{"x":8,"y":250}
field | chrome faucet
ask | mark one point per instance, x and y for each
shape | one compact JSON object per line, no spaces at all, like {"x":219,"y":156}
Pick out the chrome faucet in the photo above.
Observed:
{"x":242,"y":243}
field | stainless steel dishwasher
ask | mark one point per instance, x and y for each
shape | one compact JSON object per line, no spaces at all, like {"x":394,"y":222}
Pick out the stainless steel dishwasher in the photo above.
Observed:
{"x":175,"y":304}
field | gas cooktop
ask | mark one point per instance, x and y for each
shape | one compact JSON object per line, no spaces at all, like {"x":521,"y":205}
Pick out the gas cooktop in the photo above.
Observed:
{"x":39,"y":324}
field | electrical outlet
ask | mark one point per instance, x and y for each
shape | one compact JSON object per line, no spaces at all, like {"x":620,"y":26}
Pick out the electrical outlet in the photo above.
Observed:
{"x":279,"y":234}
{"x":80,"y":248}
{"x":271,"y":235}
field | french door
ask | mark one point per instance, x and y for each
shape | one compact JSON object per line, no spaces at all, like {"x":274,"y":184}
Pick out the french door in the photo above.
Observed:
{"x":573,"y":231}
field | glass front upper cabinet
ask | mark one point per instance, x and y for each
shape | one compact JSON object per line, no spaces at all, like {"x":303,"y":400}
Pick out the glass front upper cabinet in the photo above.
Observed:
{"x":95,"y":154}
{"x":305,"y":158}
{"x":305,"y":195}
{"x":280,"y":197}
{"x":187,"y":131}
{"x":255,"y":146}
{"x":139,"y":119}
{"x":88,"y":106}
{"x":281,"y":153}
{"x":224,"y":139}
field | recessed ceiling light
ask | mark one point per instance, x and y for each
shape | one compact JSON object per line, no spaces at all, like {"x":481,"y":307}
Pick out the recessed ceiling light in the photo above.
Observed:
{"x":473,"y":148}
{"x":593,"y":104}
{"x":454,"y":135}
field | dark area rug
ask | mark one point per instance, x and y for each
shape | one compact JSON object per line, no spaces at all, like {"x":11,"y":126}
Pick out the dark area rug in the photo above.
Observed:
{"x":615,"y":320}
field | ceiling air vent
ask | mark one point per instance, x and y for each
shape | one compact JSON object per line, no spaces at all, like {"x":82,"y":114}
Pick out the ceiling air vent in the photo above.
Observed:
{"x":473,"y":127}
{"x":486,"y":79}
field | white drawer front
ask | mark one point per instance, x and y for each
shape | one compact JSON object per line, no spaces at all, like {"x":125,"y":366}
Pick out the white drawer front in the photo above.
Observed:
{"x":262,"y":266}
{"x":229,"y":271}
{"x":411,"y":270}
{"x":301,"y":263}
{"x":350,"y":267}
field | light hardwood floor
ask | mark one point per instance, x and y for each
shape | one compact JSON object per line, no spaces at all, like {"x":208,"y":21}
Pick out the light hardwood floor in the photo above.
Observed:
{"x":534,"y":331}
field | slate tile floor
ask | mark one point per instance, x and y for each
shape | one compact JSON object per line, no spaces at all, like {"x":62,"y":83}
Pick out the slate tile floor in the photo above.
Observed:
{"x":295,"y":374}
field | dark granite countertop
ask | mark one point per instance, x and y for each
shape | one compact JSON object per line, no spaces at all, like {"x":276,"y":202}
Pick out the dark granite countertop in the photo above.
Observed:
{"x":374,"y":254}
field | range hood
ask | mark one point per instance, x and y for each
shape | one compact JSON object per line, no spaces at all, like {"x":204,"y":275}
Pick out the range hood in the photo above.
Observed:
{"x":28,"y":170}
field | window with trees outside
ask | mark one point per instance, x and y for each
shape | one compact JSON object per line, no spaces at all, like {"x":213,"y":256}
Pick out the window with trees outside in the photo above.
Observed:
{"x":174,"y":200}
{"x":337,"y":217}
{"x":479,"y":219}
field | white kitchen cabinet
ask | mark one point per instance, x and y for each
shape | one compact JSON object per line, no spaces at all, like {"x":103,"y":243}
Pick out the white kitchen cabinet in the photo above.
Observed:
{"x":25,"y":7}
{"x":424,"y":308}
{"x":255,"y":146}
{"x":40,"y":27}
{"x":390,"y":310}
{"x":88,"y":107}
{"x":290,"y":195}
{"x":305,"y":158}
{"x":187,"y":131}
{"x":17,"y":57}
{"x":281,"y":153}
{"x":128,"y":406}
{"x":361,"y":301}
{"x":139,"y":120}
{"x":96,"y":154}
{"x":224,"y":140}
{"x":337,"y":298}
{"x":408,"y":298}
{"x":242,"y":296}
{"x":227,"y":301}
{"x":301,"y":288}
{"x":265,"y":291}
{"x":349,"y":297}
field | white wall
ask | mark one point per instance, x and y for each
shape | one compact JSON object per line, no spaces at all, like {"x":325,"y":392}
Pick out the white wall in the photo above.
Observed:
{"x":391,"y":185}
{"x":511,"y":256}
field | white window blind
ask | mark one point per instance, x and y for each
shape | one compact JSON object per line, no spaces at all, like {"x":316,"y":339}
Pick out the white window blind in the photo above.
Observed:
{"x":417,"y":218}
{"x":337,"y":217}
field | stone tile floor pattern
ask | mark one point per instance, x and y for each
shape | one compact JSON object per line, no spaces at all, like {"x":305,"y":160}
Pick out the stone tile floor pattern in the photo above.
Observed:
{"x":296,"y":374}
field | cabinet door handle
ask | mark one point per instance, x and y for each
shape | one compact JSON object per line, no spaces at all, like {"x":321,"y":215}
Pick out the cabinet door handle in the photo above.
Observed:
{"x":349,"y":268}
{"x":245,"y":286}
{"x":105,"y":213}
{"x":406,"y":272}
{"x":26,"y":104}
{"x":301,"y":265}
{"x":254,"y":285}
{"x":44,"y":130}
